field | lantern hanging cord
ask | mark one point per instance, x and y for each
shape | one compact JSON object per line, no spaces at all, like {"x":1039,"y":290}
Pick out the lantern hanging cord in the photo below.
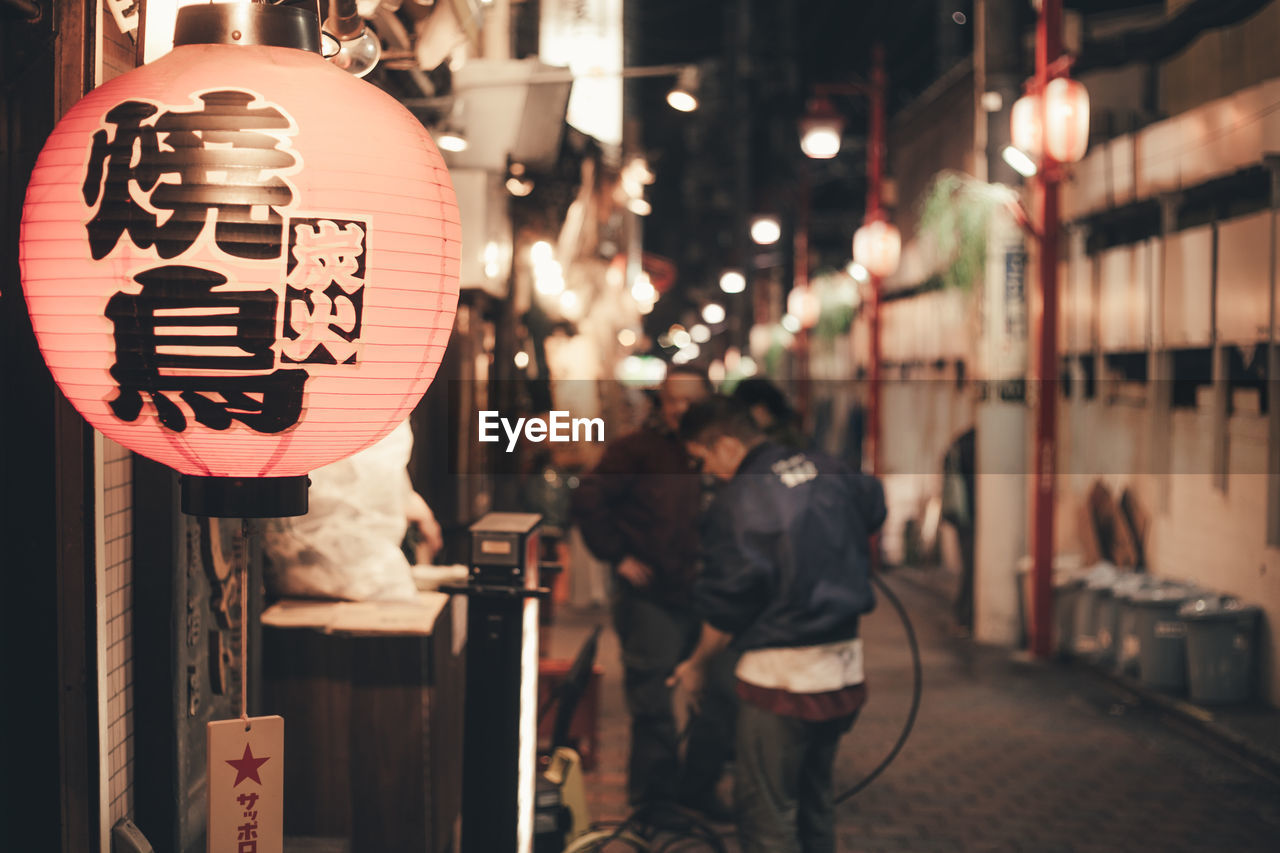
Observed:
{"x":244,"y":622}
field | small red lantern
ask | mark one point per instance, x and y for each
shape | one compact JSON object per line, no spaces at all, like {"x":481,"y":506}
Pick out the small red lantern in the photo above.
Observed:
{"x":1025,"y":125}
{"x":803,"y":304}
{"x":878,"y":246}
{"x":240,"y":260}
{"x":1066,"y":117}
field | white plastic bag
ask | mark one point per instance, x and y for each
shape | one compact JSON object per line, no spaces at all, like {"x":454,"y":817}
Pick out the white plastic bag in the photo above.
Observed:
{"x":348,"y":545}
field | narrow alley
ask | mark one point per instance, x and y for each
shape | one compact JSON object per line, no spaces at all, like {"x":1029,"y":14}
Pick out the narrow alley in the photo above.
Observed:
{"x":1005,"y":755}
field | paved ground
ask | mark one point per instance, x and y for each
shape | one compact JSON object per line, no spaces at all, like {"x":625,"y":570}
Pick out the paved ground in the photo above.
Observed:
{"x":1006,"y":755}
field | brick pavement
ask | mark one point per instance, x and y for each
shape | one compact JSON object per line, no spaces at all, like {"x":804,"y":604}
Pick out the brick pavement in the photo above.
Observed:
{"x":1006,"y":756}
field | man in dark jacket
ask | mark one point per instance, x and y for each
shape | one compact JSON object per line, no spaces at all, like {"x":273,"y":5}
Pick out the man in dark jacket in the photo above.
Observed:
{"x":785,"y":580}
{"x":639,"y":511}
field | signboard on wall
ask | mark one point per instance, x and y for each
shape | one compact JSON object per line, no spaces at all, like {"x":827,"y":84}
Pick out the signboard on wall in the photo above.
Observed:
{"x":586,"y":36}
{"x":1003,"y":344}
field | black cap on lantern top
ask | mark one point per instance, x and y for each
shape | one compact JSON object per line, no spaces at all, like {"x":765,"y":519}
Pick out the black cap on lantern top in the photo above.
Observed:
{"x":289,"y":24}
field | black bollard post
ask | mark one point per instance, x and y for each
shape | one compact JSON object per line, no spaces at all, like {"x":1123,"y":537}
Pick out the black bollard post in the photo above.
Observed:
{"x":500,"y":739}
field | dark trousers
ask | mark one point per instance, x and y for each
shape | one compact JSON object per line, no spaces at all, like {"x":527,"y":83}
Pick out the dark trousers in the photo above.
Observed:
{"x":654,"y":638}
{"x":782,"y":782}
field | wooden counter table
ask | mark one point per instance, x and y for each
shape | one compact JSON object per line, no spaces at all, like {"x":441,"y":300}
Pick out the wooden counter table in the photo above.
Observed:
{"x":372,"y":697}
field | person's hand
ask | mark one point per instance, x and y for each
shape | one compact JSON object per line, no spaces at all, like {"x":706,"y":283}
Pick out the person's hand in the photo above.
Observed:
{"x":690,"y":677}
{"x":635,"y":572}
{"x":421,"y":516}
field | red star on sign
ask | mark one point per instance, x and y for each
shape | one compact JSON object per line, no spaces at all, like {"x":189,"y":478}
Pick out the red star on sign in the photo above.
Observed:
{"x":247,"y":766}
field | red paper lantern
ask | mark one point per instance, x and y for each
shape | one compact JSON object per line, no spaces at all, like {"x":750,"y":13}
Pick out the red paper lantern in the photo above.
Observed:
{"x":877,"y":246}
{"x":240,"y":260}
{"x":1066,"y":118}
{"x":804,"y":304}
{"x":1025,"y":125}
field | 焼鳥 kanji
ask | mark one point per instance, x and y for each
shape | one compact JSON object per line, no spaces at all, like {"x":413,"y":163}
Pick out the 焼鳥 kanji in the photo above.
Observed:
{"x":162,"y":171}
{"x":213,"y":349}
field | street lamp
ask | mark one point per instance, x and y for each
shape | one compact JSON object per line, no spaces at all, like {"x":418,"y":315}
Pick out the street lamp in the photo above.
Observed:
{"x":881,"y":243}
{"x":1060,"y":117}
{"x":820,"y":130}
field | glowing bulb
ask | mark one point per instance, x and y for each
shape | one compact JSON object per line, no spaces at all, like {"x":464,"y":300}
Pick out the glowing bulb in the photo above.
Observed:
{"x":765,"y":230}
{"x":451,"y":140}
{"x":791,"y":323}
{"x":713,"y":312}
{"x":1020,"y":162}
{"x":643,"y":290}
{"x":700,"y":333}
{"x":681,"y":338}
{"x":858,"y":272}
{"x":548,"y":279}
{"x":639,"y":206}
{"x":627,"y":338}
{"x":733,"y":282}
{"x":492,"y":266}
{"x":570,"y":305}
{"x":519,"y":188}
{"x":541,"y":252}
{"x":682,"y":101}
{"x":522,"y":360}
{"x":821,"y":142}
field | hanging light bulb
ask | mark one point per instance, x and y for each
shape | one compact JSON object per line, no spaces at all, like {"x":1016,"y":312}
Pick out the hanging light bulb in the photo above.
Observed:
{"x":359,"y":47}
{"x":451,"y":140}
{"x":684,"y":96}
{"x":733,"y":281}
{"x":766,"y":230}
{"x":820,"y":130}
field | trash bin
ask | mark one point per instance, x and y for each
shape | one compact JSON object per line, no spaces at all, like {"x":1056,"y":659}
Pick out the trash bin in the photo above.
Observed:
{"x":1220,"y":649}
{"x":1126,"y":643}
{"x":1066,"y":598}
{"x":1068,"y":581}
{"x":1162,"y":636}
{"x":1097,"y":585}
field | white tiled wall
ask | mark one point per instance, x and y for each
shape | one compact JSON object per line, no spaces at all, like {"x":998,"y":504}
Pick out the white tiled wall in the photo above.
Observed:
{"x":115,"y":602}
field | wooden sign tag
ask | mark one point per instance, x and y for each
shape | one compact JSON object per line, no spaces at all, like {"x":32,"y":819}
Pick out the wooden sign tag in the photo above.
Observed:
{"x":246,"y":785}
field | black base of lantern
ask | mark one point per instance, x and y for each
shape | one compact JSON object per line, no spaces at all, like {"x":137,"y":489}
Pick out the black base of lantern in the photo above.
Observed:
{"x":245,"y":497}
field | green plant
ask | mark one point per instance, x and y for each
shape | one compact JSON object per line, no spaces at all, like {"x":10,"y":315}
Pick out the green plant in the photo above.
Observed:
{"x":955,"y":215}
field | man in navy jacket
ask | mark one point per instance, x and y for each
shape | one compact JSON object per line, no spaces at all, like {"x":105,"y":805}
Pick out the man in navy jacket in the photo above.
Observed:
{"x":785,"y":579}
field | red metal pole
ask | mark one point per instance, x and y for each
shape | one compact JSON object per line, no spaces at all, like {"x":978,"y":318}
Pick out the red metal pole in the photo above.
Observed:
{"x":875,"y":173}
{"x":1048,"y":49}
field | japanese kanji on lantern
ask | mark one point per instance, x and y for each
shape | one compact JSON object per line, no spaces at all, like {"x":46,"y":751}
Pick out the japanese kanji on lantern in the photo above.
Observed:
{"x":241,"y":261}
